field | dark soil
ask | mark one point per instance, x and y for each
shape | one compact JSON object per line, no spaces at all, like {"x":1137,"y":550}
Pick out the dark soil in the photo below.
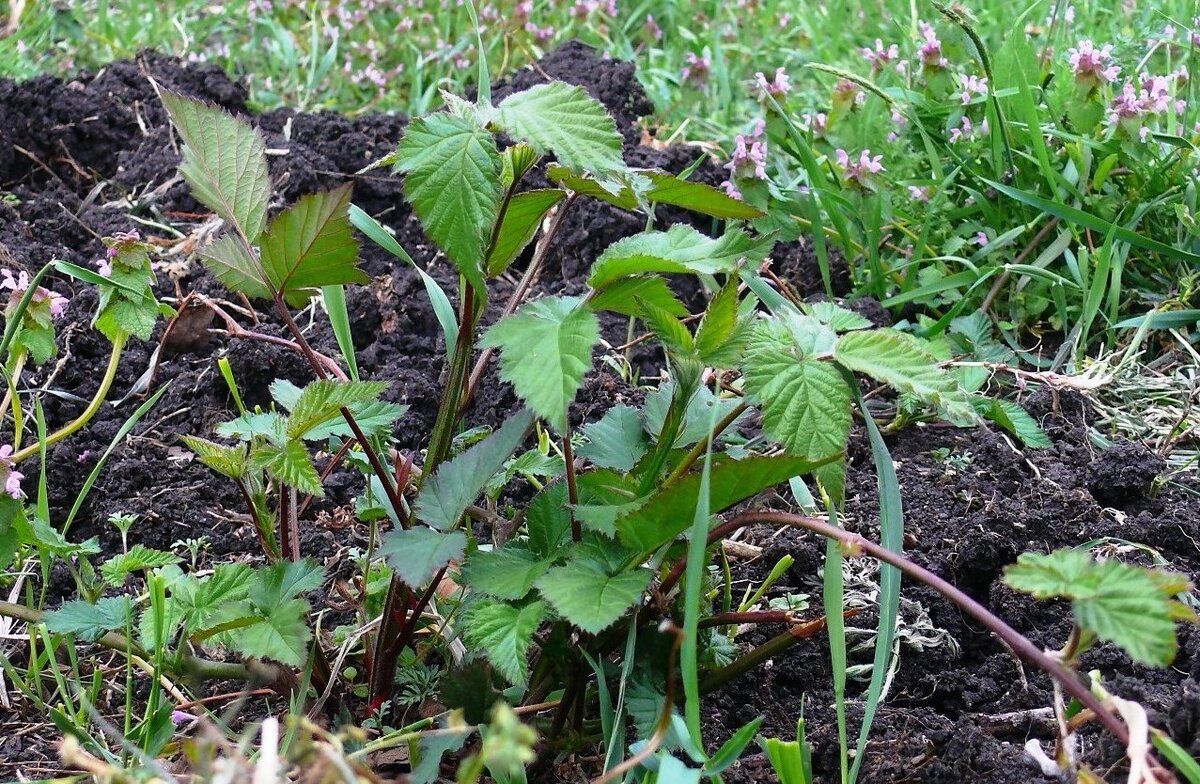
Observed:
{"x":91,"y":156}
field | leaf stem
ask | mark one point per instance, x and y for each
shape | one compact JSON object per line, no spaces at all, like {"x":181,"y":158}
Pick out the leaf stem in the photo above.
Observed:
{"x":572,"y":485}
{"x":518,"y":295}
{"x":701,"y":446}
{"x":110,"y":373}
{"x":1016,"y":641}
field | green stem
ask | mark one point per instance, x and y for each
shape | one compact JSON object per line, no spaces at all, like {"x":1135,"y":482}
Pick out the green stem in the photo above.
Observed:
{"x":701,"y":446}
{"x":192,"y":665}
{"x":110,"y":373}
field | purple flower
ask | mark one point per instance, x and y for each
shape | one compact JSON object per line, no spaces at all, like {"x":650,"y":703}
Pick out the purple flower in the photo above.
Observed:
{"x":778,"y":87}
{"x":749,"y":160}
{"x":981,"y":239}
{"x":918,"y":194}
{"x":731,"y":190}
{"x":972,"y":86}
{"x":12,"y":477}
{"x":966,"y":130}
{"x":19,"y":284}
{"x":930,"y":52}
{"x":651,"y":28}
{"x":695,"y":71}
{"x":1092,"y":67}
{"x":817,"y":123}
{"x":179,"y":718}
{"x":880,"y":57}
{"x":859,"y":173}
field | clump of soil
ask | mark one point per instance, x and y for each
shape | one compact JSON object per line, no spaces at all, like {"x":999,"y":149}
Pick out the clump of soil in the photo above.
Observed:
{"x":93,"y":155}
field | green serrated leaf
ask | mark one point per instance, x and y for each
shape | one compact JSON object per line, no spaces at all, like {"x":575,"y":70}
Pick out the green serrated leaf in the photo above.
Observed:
{"x":545,"y":350}
{"x":237,"y":269}
{"x":666,"y":188}
{"x":1016,"y":420}
{"x":506,"y":573}
{"x":838,"y":318}
{"x":282,"y":635}
{"x":520,"y":223}
{"x":446,"y":495}
{"x":679,"y":249}
{"x":282,"y":581}
{"x":547,"y":520}
{"x":139,"y":557}
{"x":667,"y":513}
{"x":516,"y":161}
{"x":621,"y":196}
{"x":720,"y":336}
{"x":625,"y":297}
{"x":584,"y":593}
{"x":616,"y":441}
{"x":224,"y":162}
{"x":504,"y":633}
{"x":563,"y":119}
{"x":670,"y":331}
{"x":322,"y":400}
{"x":90,"y":621}
{"x":310,"y":245}
{"x":899,"y":361}
{"x":263,"y":424}
{"x":228,"y":461}
{"x":805,"y":402}
{"x":453,"y":181}
{"x":290,"y":464}
{"x":416,"y":554}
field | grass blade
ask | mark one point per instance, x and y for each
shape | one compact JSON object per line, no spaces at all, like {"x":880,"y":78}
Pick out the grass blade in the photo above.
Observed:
{"x":891,"y":536}
{"x":334,"y":298}
{"x":442,"y":308}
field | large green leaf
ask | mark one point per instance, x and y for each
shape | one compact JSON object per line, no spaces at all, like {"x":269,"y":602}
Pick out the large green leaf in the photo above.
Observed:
{"x":310,"y":245}
{"x":224,"y":162}
{"x":545,"y":350}
{"x":666,"y":188}
{"x":618,"y":440}
{"x":447,"y":494}
{"x":564,"y":120}
{"x":289,"y":463}
{"x":667,"y":513}
{"x":805,"y":402}
{"x":679,"y":249}
{"x":1130,"y":606}
{"x":899,"y":361}
{"x":416,"y":554}
{"x":506,"y":573}
{"x":281,"y":635}
{"x":627,"y":296}
{"x":280,"y":582}
{"x":453,"y":182}
{"x":90,"y":621}
{"x":504,"y":633}
{"x":236,"y":267}
{"x":518,"y":226}
{"x":586,"y":594}
{"x":323,"y":399}
{"x":137,"y":558}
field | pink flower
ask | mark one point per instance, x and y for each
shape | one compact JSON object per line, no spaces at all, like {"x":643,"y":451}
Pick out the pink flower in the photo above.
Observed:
{"x":859,"y":173}
{"x":749,"y":160}
{"x":19,"y":284}
{"x":777,"y":87}
{"x":981,"y":239}
{"x":930,"y":53}
{"x":880,"y":57}
{"x":847,"y":94}
{"x":972,"y":86}
{"x":12,"y":477}
{"x":731,"y":190}
{"x":918,"y":194}
{"x":652,"y":29}
{"x":1093,"y":67}
{"x":817,"y":123}
{"x":966,"y":130}
{"x":695,"y":71}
